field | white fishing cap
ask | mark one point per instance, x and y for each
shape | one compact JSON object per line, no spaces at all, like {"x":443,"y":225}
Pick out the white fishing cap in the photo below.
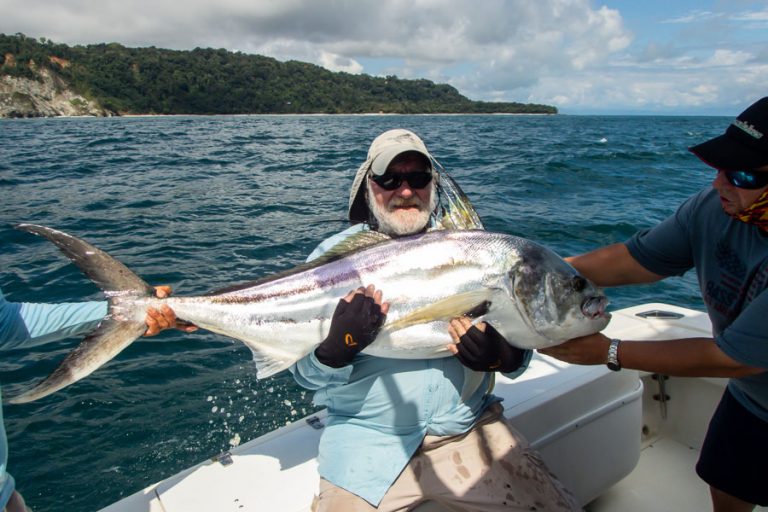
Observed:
{"x":383,"y":150}
{"x":389,"y":144}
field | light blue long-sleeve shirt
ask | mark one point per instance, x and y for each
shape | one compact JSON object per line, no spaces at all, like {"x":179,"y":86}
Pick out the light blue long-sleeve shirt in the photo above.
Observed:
{"x":380,"y":409}
{"x":25,"y":325}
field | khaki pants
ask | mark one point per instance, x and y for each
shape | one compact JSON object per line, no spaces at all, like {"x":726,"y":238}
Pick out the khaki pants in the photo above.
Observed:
{"x":489,"y":468}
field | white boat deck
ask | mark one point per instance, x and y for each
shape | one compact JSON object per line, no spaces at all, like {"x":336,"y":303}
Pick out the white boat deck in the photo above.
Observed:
{"x":663,"y":481}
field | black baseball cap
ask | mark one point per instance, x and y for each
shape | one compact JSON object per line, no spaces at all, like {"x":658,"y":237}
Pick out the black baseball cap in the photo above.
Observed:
{"x":743,"y":146}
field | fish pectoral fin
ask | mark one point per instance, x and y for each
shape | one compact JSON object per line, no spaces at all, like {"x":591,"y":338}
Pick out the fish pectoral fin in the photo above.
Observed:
{"x":108,"y":340}
{"x":445,"y":309}
{"x":270,"y":360}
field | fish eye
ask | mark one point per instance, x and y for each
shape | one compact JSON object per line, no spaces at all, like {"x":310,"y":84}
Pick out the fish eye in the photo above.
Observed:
{"x":578,"y":283}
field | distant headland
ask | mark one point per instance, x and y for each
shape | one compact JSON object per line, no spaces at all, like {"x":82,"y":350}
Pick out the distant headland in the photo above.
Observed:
{"x":40,"y":78}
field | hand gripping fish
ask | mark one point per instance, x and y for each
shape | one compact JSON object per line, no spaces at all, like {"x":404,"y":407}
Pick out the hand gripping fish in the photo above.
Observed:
{"x":527,"y":292}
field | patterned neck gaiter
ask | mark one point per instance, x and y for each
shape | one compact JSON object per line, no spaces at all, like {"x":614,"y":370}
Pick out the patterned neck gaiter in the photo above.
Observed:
{"x":756,"y":213}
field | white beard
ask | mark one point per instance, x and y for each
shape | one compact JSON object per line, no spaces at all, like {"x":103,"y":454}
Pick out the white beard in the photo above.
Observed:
{"x":395,"y":221}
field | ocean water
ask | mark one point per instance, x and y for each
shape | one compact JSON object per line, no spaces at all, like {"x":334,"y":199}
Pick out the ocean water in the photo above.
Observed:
{"x":203,"y":202}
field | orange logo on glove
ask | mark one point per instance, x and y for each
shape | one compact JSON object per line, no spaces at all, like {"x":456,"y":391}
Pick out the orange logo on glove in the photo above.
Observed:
{"x":349,"y":340}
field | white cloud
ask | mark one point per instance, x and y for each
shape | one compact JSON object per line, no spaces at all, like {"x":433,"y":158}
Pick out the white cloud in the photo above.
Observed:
{"x":694,"y":17}
{"x":338,"y":63}
{"x":722,"y":58}
{"x":761,"y":16}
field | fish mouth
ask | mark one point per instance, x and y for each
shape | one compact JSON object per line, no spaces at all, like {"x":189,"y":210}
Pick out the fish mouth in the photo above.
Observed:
{"x":594,"y":307}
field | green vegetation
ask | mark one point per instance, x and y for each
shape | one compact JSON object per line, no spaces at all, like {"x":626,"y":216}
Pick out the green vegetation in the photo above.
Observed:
{"x":207,"y":81}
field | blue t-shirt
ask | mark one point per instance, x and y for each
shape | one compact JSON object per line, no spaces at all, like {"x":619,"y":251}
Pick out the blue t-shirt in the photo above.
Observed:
{"x":380,"y":409}
{"x":731,"y":262}
{"x":24,"y":325}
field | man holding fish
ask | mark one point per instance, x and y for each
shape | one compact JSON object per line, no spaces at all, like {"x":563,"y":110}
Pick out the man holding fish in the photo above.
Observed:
{"x":401,"y":432}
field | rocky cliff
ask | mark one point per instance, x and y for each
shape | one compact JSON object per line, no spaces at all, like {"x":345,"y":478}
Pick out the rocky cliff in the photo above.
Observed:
{"x":49,"y":96}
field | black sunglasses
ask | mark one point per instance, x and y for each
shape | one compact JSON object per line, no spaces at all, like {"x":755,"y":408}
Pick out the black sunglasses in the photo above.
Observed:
{"x":747,"y":179}
{"x":392,"y":181}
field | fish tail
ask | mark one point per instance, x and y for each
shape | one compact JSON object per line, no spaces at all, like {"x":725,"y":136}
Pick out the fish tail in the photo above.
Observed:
{"x":117,"y":330}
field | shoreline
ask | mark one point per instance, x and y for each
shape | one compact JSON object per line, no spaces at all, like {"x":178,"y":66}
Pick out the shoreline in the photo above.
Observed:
{"x":367,"y":114}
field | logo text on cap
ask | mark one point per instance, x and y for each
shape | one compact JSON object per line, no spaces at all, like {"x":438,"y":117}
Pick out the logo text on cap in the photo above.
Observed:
{"x":748,"y":128}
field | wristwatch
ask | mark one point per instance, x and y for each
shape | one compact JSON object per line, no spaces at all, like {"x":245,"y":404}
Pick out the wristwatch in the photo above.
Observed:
{"x":613,"y":355}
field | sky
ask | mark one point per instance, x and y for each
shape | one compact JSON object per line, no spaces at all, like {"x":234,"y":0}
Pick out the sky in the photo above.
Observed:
{"x":670,"y":57}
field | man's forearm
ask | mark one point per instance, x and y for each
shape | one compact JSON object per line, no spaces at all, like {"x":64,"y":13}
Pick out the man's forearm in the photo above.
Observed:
{"x":612,"y":265}
{"x":688,"y":357}
{"x":691,"y":357}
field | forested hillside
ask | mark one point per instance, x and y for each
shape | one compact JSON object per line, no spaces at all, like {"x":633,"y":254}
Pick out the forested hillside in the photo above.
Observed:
{"x":207,"y":81}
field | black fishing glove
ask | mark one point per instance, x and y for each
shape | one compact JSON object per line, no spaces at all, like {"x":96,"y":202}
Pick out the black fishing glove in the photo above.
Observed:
{"x":353,"y":327}
{"x":488,"y":351}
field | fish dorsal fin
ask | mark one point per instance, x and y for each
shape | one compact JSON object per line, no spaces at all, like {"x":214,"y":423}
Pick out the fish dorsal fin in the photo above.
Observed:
{"x":352,"y":243}
{"x":457,"y":305}
{"x":458,"y":212}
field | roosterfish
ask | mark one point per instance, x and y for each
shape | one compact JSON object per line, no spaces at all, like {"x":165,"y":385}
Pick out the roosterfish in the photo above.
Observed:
{"x":533,"y":297}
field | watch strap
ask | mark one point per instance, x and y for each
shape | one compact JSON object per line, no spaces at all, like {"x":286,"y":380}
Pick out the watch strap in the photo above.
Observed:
{"x":613,"y":355}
